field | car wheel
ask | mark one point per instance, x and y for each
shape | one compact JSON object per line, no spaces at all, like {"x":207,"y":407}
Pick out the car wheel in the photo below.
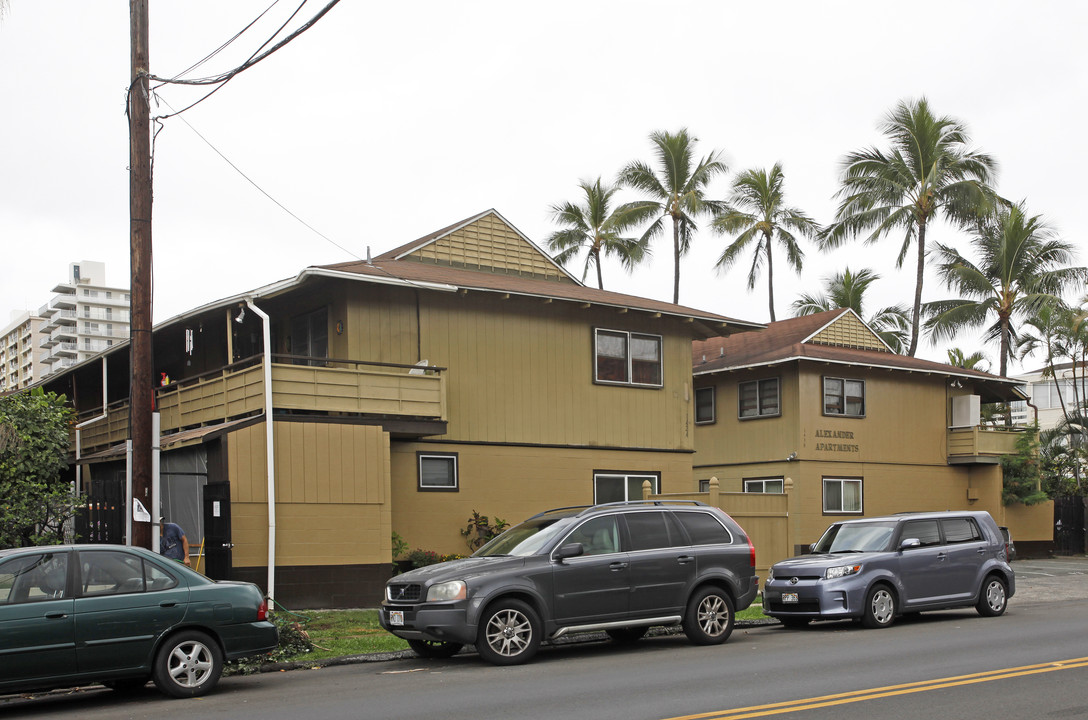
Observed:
{"x":126,"y":685}
{"x":188,"y":665}
{"x":627,"y":634}
{"x":509,"y":633}
{"x":709,"y":617}
{"x":993,"y":598}
{"x":794,"y":622}
{"x":879,"y":607}
{"x":434,"y":649}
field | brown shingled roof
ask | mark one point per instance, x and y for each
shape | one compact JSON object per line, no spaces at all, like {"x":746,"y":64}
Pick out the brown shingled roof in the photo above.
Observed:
{"x":387,"y":265}
{"x":785,"y":341}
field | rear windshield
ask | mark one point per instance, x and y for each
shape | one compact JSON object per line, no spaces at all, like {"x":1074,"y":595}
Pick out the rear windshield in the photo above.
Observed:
{"x":873,"y":536}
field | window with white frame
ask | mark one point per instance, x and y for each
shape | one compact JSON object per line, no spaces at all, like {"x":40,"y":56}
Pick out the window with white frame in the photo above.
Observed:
{"x":843,"y":396}
{"x":704,"y":405}
{"x":438,"y":472}
{"x":618,"y":487}
{"x":627,"y":358}
{"x":758,"y":398}
{"x":764,"y":485}
{"x":842,"y":495}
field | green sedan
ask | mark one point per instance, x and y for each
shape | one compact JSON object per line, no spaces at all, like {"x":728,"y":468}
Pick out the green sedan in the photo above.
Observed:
{"x":76,"y":614}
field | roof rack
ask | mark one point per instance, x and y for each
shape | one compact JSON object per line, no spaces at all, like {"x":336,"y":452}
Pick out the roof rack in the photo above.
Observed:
{"x":620,"y":503}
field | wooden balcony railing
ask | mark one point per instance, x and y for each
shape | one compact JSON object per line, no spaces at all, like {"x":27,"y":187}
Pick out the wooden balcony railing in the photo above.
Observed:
{"x":981,"y":444}
{"x":303,"y":384}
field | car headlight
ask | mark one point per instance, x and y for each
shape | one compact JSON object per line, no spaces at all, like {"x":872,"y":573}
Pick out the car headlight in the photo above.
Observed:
{"x":447,"y":591}
{"x":842,"y":571}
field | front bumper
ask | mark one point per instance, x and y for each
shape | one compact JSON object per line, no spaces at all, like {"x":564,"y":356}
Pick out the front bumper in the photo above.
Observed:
{"x":815,"y":598}
{"x":437,"y":622}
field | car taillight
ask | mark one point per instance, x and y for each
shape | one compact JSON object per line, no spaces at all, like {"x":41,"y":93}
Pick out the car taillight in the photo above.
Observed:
{"x":262,"y":609}
{"x":751,"y":553}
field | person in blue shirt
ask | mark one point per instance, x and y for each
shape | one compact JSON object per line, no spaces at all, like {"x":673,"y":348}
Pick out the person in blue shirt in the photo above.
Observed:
{"x":172,"y":542}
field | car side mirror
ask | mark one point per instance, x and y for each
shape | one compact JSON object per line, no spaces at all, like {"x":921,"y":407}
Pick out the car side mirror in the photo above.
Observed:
{"x":909,"y":543}
{"x":812,"y":548}
{"x":569,"y":550}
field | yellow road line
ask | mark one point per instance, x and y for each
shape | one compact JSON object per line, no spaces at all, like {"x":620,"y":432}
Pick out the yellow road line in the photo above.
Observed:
{"x":755,"y":711}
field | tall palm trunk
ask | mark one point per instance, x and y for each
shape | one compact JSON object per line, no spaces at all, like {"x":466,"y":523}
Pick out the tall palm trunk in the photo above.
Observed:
{"x":916,"y":320}
{"x":597,"y":261}
{"x":770,"y":276}
{"x":676,"y":259}
{"x":1004,"y":349}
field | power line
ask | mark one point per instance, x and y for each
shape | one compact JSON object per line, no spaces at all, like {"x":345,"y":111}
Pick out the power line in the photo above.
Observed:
{"x":254,"y":184}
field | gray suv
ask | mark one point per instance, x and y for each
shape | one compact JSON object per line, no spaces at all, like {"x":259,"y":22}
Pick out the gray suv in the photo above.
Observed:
{"x":617,"y":567}
{"x":875,"y":569}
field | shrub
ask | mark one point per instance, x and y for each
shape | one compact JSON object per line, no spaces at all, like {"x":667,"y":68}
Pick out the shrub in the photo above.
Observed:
{"x":480,"y":530}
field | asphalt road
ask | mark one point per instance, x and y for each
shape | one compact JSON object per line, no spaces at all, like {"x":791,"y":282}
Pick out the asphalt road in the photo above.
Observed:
{"x":1029,"y":664}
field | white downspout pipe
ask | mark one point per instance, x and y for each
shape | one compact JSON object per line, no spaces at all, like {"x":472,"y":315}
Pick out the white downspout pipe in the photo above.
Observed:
{"x":79,"y":440}
{"x":270,"y":447}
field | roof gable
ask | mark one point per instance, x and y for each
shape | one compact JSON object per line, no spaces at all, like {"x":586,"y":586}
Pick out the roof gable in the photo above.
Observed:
{"x":849,"y":331}
{"x":485,"y":242}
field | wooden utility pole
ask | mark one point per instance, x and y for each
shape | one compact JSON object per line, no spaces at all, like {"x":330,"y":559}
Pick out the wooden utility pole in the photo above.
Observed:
{"x":140,"y":383}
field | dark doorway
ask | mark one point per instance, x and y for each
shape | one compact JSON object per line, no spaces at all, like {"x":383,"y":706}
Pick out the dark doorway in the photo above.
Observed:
{"x":217,"y":537}
{"x":1069,"y":525}
{"x":104,"y":519}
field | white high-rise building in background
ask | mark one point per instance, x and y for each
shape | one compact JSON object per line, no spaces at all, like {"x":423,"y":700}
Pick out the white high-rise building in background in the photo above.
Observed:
{"x":19,"y":362}
{"x":85,"y":317}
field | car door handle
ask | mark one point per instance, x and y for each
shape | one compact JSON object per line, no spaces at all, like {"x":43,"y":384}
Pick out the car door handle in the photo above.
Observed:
{"x":685,"y":559}
{"x":942,"y":556}
{"x":55,"y":615}
{"x":617,"y":566}
{"x":981,"y":551}
{"x":168,"y":603}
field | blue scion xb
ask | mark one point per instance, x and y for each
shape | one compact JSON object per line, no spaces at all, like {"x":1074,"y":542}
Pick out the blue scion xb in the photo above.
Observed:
{"x":875,"y":569}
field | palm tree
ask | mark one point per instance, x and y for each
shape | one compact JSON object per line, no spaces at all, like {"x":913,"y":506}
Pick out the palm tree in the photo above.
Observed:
{"x":594,"y":227}
{"x":847,"y":290}
{"x":927,"y":173}
{"x":756,"y":215}
{"x":1021,"y":270}
{"x":974,"y":361}
{"x":676,"y":189}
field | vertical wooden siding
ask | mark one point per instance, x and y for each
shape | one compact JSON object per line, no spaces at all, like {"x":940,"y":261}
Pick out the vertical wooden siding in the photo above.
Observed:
{"x":522,"y":371}
{"x":512,"y":483}
{"x":332,"y":494}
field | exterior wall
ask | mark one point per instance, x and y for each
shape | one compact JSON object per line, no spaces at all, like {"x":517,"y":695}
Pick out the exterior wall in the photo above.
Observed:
{"x":899,"y":450}
{"x":332,"y":506}
{"x":511,"y":483}
{"x":521,"y":371}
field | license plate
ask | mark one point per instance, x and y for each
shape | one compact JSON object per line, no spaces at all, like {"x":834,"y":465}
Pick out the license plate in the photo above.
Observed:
{"x":396,"y":617}
{"x":789,"y":597}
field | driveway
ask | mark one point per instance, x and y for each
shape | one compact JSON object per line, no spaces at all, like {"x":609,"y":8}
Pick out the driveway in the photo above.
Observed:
{"x":1051,"y":580}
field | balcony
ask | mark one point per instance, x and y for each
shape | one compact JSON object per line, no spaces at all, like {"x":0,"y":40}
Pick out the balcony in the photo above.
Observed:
{"x":394,"y":393}
{"x":66,"y":349}
{"x":63,"y":333}
{"x":64,"y":301}
{"x":981,"y":445}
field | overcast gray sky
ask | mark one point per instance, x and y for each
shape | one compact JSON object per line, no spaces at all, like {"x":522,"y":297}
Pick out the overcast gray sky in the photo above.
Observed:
{"x":387,"y":121}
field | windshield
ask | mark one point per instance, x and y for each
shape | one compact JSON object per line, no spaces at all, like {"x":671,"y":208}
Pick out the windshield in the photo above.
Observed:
{"x":856,"y":537}
{"x":528,"y":538}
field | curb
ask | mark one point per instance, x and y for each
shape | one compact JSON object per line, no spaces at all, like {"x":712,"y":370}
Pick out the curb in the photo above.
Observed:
{"x":577,"y":639}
